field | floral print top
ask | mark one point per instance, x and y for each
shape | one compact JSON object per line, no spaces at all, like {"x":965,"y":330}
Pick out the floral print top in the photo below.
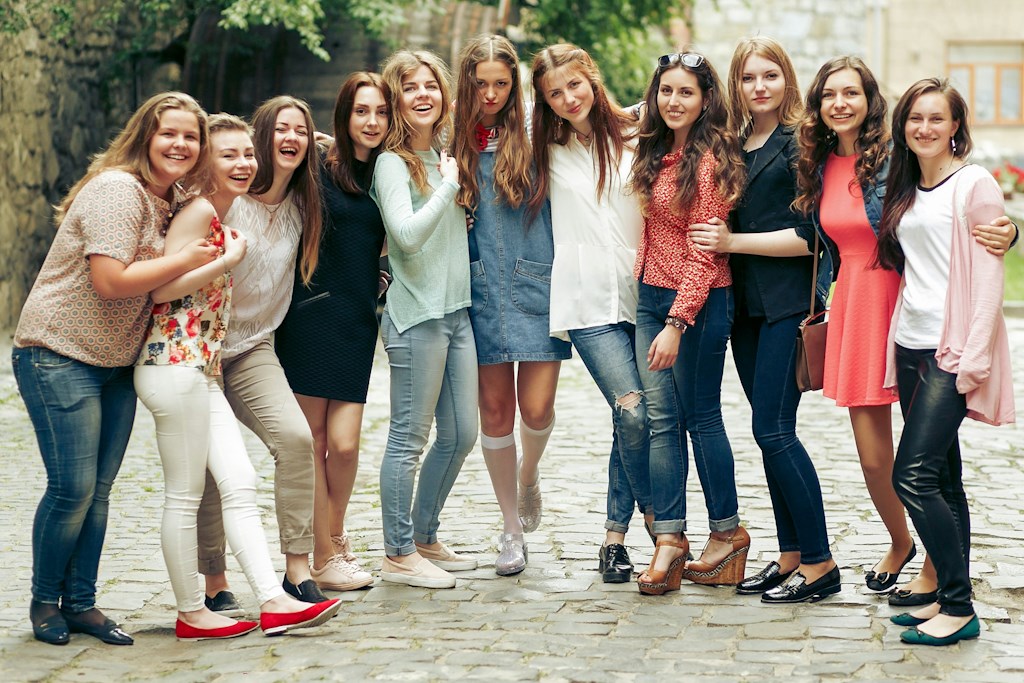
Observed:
{"x":190,"y":330}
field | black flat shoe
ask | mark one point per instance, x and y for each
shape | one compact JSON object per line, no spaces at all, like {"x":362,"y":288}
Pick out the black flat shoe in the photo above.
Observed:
{"x":766,"y":579}
{"x":798,"y":590}
{"x":614,"y":564}
{"x":48,"y":625}
{"x":108,"y":631}
{"x":307,"y":591}
{"x":905,"y":598}
{"x":883,"y":581}
{"x":224,"y":603}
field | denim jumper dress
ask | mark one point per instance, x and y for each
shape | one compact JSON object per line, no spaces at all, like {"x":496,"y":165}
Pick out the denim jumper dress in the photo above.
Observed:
{"x":510,"y":277}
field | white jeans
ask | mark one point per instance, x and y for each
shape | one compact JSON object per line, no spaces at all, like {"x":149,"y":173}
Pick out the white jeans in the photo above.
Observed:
{"x":195,"y":431}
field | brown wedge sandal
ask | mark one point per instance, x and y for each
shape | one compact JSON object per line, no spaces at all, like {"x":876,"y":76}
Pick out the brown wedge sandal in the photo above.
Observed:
{"x":660,"y":582}
{"x":729,"y":571}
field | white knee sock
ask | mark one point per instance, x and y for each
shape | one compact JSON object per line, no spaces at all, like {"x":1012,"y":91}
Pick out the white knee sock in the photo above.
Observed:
{"x":534,"y":442}
{"x":500,"y":458}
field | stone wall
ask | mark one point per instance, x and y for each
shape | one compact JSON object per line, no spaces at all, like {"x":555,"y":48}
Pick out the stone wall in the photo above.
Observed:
{"x":54,"y":113}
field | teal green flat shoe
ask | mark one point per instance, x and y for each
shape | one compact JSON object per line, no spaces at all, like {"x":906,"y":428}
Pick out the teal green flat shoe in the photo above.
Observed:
{"x":906,"y":619}
{"x":914,"y":636}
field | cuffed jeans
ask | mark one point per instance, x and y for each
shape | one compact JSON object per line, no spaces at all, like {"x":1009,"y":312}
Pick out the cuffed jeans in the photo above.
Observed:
{"x":765,"y":356}
{"x":83,"y":418}
{"x":262,"y":400}
{"x":688,"y":397}
{"x":196,"y":433}
{"x":927,"y":474}
{"x":607,"y":351}
{"x":433,"y":375}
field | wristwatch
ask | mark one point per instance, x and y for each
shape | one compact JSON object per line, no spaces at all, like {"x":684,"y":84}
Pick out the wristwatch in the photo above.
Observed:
{"x":677,"y":323}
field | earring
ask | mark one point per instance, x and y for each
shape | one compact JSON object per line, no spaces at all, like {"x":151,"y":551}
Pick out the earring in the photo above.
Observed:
{"x":952,"y":143}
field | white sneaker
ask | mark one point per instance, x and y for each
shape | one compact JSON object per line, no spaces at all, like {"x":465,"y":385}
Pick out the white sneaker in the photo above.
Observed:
{"x":446,"y":558}
{"x":343,"y":546}
{"x":422,"y":574}
{"x":341,"y":575}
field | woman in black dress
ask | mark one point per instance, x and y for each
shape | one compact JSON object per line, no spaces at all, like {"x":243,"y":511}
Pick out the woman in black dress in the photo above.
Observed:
{"x":326,"y":342}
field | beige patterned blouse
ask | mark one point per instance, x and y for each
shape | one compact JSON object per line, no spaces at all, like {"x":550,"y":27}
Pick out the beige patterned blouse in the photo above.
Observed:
{"x":113,"y":215}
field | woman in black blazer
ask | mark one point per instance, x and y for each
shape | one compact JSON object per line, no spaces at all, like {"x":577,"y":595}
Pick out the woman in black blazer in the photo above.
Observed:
{"x":773,"y":291}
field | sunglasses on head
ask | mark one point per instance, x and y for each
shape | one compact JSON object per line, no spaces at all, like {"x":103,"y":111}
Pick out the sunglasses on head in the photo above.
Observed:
{"x":687,"y":59}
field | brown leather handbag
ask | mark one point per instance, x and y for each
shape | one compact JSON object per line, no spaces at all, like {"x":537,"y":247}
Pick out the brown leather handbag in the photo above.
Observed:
{"x":810,"y":339}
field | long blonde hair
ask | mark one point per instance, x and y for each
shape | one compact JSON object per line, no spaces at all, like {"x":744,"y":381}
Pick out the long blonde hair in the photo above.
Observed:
{"x":129,"y":150}
{"x":400,"y":134}
{"x":790,"y":109}
{"x":512,"y":178}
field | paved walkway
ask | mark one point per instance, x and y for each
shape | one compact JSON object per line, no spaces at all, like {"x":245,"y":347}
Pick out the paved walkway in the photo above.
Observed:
{"x":556,"y":621}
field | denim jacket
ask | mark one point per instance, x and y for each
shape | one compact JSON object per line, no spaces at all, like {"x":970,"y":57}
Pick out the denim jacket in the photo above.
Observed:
{"x":828,"y":264}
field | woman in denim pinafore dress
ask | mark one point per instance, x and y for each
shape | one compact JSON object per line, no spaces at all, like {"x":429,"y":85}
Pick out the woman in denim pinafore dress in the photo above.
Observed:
{"x":510,"y":255}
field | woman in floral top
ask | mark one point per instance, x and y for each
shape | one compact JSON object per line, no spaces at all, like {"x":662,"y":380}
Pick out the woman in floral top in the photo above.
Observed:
{"x":176,"y":378}
{"x":687,"y":169}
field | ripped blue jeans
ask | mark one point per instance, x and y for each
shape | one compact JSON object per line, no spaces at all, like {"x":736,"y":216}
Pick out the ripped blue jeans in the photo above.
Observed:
{"x":607,"y":351}
{"x":687,"y":398}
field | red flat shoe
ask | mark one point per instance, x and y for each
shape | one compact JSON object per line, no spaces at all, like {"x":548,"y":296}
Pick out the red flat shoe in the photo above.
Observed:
{"x":274,"y":624}
{"x":187,"y":632}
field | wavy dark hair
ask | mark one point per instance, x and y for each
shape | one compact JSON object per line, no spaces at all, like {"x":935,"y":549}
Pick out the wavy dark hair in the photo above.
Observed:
{"x":817,"y":140}
{"x":711,"y":132}
{"x":304,"y":186}
{"x":512,"y":178}
{"x":609,"y":123}
{"x":905,"y":169}
{"x":341,"y":156}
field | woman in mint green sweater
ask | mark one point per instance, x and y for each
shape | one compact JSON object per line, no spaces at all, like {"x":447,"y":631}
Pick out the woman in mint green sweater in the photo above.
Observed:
{"x":425,"y":327}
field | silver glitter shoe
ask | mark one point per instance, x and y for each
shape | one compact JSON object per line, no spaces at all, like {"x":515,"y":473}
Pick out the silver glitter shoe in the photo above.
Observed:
{"x":530,"y":506}
{"x":512,"y":554}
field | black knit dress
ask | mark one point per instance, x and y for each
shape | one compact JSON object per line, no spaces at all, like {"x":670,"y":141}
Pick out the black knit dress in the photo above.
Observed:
{"x":327,"y":340}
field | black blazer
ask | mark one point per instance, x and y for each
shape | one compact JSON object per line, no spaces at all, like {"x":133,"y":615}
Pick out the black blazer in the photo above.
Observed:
{"x":782,"y":285}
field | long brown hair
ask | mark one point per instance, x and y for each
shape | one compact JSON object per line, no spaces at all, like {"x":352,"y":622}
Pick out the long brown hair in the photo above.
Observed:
{"x":129,"y":150}
{"x":304,"y":186}
{"x":791,"y":108}
{"x":817,"y":140}
{"x":608,"y":122}
{"x":905,"y":169}
{"x":341,"y":157}
{"x":711,"y":132}
{"x":512,"y":179}
{"x":400,"y":134}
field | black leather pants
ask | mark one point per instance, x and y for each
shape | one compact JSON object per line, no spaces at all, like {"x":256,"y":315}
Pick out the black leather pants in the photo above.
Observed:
{"x":927,"y":473}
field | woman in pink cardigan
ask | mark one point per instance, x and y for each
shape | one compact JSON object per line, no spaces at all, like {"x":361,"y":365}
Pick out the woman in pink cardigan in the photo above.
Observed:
{"x":948,"y":350}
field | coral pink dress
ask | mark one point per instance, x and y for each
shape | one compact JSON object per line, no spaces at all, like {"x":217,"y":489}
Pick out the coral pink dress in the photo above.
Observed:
{"x":864,"y":297}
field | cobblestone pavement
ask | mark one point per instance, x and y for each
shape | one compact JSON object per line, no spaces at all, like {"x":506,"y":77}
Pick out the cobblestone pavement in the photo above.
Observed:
{"x":556,"y":621}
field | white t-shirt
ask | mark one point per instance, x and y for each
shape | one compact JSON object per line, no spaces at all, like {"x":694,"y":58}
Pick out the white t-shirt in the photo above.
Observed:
{"x":926,"y":233}
{"x":595,"y":242}
{"x":263,"y":281}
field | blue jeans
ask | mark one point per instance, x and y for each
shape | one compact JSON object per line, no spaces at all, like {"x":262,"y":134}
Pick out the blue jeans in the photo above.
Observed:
{"x":83,"y":416}
{"x":433,"y":375}
{"x":607,"y":351}
{"x":688,"y":396}
{"x":765,"y":356}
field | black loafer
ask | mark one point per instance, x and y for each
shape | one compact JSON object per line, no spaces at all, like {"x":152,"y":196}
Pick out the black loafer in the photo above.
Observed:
{"x":883,"y":581}
{"x":905,"y":598}
{"x":766,"y":579}
{"x":614,"y":564}
{"x":307,"y":591}
{"x":798,"y":590}
{"x":48,"y":625}
{"x":108,"y":631}
{"x":224,"y":603}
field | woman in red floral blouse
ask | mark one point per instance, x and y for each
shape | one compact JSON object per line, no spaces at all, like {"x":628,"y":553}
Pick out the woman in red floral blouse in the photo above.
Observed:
{"x":687,"y":169}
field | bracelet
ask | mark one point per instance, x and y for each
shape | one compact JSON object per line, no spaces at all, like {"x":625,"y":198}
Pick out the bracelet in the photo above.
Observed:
{"x":677,"y":323}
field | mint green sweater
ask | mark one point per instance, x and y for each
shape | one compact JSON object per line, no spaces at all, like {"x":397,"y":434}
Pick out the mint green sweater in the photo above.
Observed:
{"x":428,"y":246}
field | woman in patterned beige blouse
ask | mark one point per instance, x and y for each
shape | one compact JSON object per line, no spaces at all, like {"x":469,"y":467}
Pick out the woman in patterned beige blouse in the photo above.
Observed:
{"x":79,"y":334}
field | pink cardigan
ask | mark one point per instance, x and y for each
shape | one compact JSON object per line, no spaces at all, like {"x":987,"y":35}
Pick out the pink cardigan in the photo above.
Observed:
{"x":973,"y":344}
